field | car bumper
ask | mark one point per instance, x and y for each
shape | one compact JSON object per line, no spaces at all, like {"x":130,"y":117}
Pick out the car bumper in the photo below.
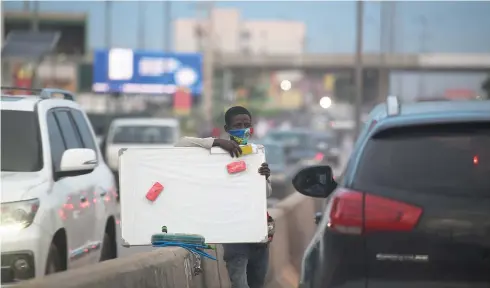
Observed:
{"x":24,"y":253}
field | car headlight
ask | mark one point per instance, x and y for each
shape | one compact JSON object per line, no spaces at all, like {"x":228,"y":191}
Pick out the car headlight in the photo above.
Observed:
{"x":18,"y":215}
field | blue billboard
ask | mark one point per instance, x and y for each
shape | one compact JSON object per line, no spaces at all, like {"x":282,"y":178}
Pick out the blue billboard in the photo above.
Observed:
{"x":146,"y":72}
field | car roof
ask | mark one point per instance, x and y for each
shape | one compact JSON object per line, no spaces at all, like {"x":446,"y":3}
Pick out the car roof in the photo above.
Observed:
{"x":434,"y":108}
{"x":29,"y":102}
{"x":289,"y":131}
{"x":19,"y":103}
{"x":269,"y":142}
{"x":145,"y":121}
{"x":429,"y":113}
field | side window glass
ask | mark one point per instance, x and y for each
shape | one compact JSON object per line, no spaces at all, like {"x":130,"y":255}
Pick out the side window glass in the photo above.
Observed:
{"x":84,"y":129}
{"x":68,"y":130}
{"x":55,"y":141}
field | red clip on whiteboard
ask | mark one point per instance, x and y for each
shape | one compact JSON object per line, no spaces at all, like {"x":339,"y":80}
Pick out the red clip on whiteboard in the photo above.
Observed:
{"x":236,"y":167}
{"x":154,"y":192}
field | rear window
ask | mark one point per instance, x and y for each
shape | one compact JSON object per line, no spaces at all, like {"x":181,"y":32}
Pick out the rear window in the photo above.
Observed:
{"x":144,"y":135}
{"x":446,"y":159}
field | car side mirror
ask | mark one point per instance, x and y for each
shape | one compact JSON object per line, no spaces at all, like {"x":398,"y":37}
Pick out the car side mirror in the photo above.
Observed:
{"x":77,"y":161}
{"x":315,"y":181}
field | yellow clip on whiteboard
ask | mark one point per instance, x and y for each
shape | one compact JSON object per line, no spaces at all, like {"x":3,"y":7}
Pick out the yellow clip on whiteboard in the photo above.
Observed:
{"x":199,"y":196}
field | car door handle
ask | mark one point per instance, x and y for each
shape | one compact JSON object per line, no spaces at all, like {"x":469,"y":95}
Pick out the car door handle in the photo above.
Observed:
{"x":83,"y":199}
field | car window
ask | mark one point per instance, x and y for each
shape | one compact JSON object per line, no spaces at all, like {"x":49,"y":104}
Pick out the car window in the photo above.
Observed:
{"x":68,"y":130}
{"x":144,"y":135}
{"x":445,"y":159}
{"x":21,"y":141}
{"x":84,"y":129}
{"x":57,"y":145}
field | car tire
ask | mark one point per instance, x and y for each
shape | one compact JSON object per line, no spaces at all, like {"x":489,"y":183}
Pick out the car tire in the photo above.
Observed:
{"x":108,"y":248}
{"x":53,"y":264}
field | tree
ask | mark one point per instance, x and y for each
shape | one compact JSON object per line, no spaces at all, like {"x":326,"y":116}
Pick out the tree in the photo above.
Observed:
{"x":486,"y":86}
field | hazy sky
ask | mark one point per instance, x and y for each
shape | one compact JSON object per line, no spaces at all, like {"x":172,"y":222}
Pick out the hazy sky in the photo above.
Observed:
{"x":453,"y":27}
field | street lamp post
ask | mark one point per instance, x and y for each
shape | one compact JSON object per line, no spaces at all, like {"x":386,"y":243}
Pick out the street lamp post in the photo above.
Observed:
{"x":168,"y":25}
{"x":359,"y":65}
{"x":423,"y":49}
{"x":207,"y":103}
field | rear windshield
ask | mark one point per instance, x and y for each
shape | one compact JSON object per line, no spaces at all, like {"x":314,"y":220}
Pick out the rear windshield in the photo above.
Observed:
{"x":446,"y":159}
{"x":144,"y":135}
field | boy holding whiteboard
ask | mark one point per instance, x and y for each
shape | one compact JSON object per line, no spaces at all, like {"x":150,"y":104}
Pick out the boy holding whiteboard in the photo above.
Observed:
{"x":246,"y":263}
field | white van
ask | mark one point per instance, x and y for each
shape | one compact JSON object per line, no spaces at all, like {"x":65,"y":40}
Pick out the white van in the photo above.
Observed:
{"x":141,"y":133}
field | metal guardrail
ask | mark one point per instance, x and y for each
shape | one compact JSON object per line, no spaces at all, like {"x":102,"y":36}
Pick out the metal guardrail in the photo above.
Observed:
{"x":45,"y":93}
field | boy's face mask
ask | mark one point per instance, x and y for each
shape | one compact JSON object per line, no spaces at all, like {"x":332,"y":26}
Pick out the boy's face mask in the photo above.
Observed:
{"x":241,"y":136}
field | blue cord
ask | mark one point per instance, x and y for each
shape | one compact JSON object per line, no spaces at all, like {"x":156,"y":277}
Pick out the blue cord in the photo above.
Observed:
{"x":193,"y":248}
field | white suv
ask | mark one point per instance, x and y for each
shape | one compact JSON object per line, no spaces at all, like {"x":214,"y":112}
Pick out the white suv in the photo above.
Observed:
{"x":58,"y":195}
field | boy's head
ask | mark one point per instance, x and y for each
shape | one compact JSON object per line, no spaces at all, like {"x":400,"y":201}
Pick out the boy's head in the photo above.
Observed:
{"x":237,"y":117}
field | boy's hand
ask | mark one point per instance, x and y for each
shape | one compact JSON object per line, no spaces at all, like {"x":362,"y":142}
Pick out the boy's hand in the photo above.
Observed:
{"x":230,"y":146}
{"x":264,"y":170}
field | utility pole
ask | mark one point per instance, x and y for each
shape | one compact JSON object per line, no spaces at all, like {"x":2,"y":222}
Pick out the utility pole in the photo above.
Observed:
{"x":359,"y":66}
{"x":108,"y":44}
{"x":423,"y":49}
{"x":398,"y":46}
{"x":26,"y":6}
{"x":207,"y":101}
{"x":394,"y":32}
{"x":141,"y":25}
{"x":167,"y":6}
{"x":35,"y":17}
{"x":108,"y":24}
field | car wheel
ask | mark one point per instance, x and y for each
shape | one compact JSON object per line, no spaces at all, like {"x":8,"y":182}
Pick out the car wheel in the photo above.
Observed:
{"x":108,"y":248}
{"x":53,"y":264}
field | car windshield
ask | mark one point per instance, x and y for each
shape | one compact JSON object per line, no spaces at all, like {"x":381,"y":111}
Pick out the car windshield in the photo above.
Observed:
{"x":144,"y":135}
{"x":274,"y":154}
{"x":450,"y":159}
{"x":21,"y":145}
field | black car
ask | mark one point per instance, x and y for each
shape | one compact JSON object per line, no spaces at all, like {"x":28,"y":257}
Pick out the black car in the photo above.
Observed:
{"x":412,"y":208}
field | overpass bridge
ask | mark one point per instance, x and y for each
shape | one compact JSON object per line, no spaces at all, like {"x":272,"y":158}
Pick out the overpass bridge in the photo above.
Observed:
{"x":382,"y":64}
{"x":392,"y":62}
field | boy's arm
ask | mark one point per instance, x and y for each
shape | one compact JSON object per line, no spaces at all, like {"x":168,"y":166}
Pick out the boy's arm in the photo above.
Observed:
{"x":206,"y":143}
{"x":269,"y":188}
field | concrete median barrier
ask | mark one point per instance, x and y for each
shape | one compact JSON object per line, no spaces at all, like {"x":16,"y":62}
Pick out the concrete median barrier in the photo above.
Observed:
{"x":173,"y":267}
{"x":169,"y":267}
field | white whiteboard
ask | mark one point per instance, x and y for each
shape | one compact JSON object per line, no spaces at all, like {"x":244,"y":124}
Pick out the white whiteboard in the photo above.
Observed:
{"x":199,"y":195}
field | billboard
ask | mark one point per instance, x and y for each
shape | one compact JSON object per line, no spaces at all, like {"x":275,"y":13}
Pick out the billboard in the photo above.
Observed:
{"x":146,"y":72}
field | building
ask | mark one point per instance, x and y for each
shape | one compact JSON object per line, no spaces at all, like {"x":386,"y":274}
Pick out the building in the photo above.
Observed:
{"x":234,"y":35}
{"x":56,"y":69}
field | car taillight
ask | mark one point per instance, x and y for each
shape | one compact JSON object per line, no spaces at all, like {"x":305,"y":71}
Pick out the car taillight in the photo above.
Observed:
{"x":380,"y":214}
{"x":318,"y":156}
